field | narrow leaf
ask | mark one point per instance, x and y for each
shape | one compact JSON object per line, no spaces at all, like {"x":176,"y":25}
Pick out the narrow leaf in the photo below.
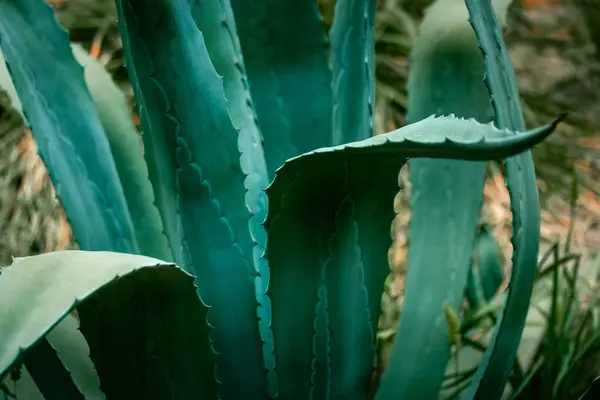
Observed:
{"x":285,"y":53}
{"x":446,"y":196}
{"x":137,"y":313}
{"x":335,"y":204}
{"x":197,"y":158}
{"x":352,"y":58}
{"x":49,"y":374}
{"x":65,"y":125}
{"x":215,"y":20}
{"x":125,"y":146}
{"x":493,"y":372}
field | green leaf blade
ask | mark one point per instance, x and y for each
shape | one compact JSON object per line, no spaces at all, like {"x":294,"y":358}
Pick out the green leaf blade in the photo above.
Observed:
{"x":494,"y":369}
{"x":352,"y":42}
{"x":112,"y":292}
{"x":285,"y":53}
{"x":215,"y":20}
{"x":66,"y":126}
{"x":177,"y":81}
{"x":445,"y":78}
{"x":304,"y":199}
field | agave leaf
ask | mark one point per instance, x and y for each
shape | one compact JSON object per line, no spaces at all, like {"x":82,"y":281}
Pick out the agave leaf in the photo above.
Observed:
{"x":352,"y":59}
{"x":489,"y":267}
{"x":285,"y":53}
{"x":74,"y":351}
{"x":125,"y":146}
{"x":183,"y":104}
{"x":49,"y":373}
{"x":486,"y":278}
{"x":446,"y":77}
{"x":332,"y":208}
{"x":66,"y":125}
{"x":214,"y":19}
{"x":494,"y":369}
{"x":134,"y":311}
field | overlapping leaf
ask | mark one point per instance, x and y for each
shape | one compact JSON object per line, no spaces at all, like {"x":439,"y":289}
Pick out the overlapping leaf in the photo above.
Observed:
{"x":329,"y":216}
{"x":137,"y":313}
{"x":194,"y":149}
{"x":66,"y":125}
{"x":494,"y":369}
{"x":446,"y":197}
{"x":353,"y":63}
{"x":215,"y":21}
{"x":285,"y":53}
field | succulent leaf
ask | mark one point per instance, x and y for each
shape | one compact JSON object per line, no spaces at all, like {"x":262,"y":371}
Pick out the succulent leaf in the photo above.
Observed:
{"x":66,"y":126}
{"x":214,"y":19}
{"x":446,"y":198}
{"x":285,"y":52}
{"x":333,"y":205}
{"x":125,"y":146}
{"x":49,"y":374}
{"x":134,"y":311}
{"x":182,"y":99}
{"x":353,"y":63}
{"x":494,"y":369}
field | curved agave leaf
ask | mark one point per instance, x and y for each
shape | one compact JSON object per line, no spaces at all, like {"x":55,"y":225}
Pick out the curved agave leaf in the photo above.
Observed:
{"x":66,"y":126}
{"x":215,"y":19}
{"x":196,"y":157}
{"x":331,"y":209}
{"x":446,"y":77}
{"x":486,"y":278}
{"x":353,"y":62}
{"x":125,"y":146}
{"x":285,"y":53}
{"x":135,"y":311}
{"x":493,"y":371}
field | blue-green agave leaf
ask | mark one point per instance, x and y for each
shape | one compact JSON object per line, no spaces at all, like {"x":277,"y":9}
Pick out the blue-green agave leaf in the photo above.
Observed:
{"x":486,"y":274}
{"x":352,"y":59}
{"x":490,"y":268}
{"x":285,"y":52}
{"x":66,"y":126}
{"x":321,"y":363}
{"x":445,"y":77}
{"x":49,"y":374}
{"x":134,"y":311}
{"x":332,"y":208}
{"x":182,"y":99}
{"x":73,"y":352}
{"x":125,"y":146}
{"x":215,"y":20}
{"x":494,"y":369}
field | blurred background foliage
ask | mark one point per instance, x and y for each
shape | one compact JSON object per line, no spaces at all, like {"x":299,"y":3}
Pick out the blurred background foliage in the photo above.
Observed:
{"x":555,"y":49}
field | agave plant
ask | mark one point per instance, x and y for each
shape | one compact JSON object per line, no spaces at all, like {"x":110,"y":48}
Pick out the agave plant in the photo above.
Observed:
{"x":243,"y":255}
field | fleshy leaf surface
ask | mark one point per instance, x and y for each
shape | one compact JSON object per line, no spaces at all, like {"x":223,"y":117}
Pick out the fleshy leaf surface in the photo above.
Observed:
{"x":138,"y":313}
{"x":65,"y":124}
{"x":493,"y":372}
{"x":182,"y":100}
{"x":286,"y":57}
{"x":125,"y":145}
{"x":446,"y":197}
{"x":353,"y":63}
{"x":215,"y":20}
{"x":331,"y":209}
